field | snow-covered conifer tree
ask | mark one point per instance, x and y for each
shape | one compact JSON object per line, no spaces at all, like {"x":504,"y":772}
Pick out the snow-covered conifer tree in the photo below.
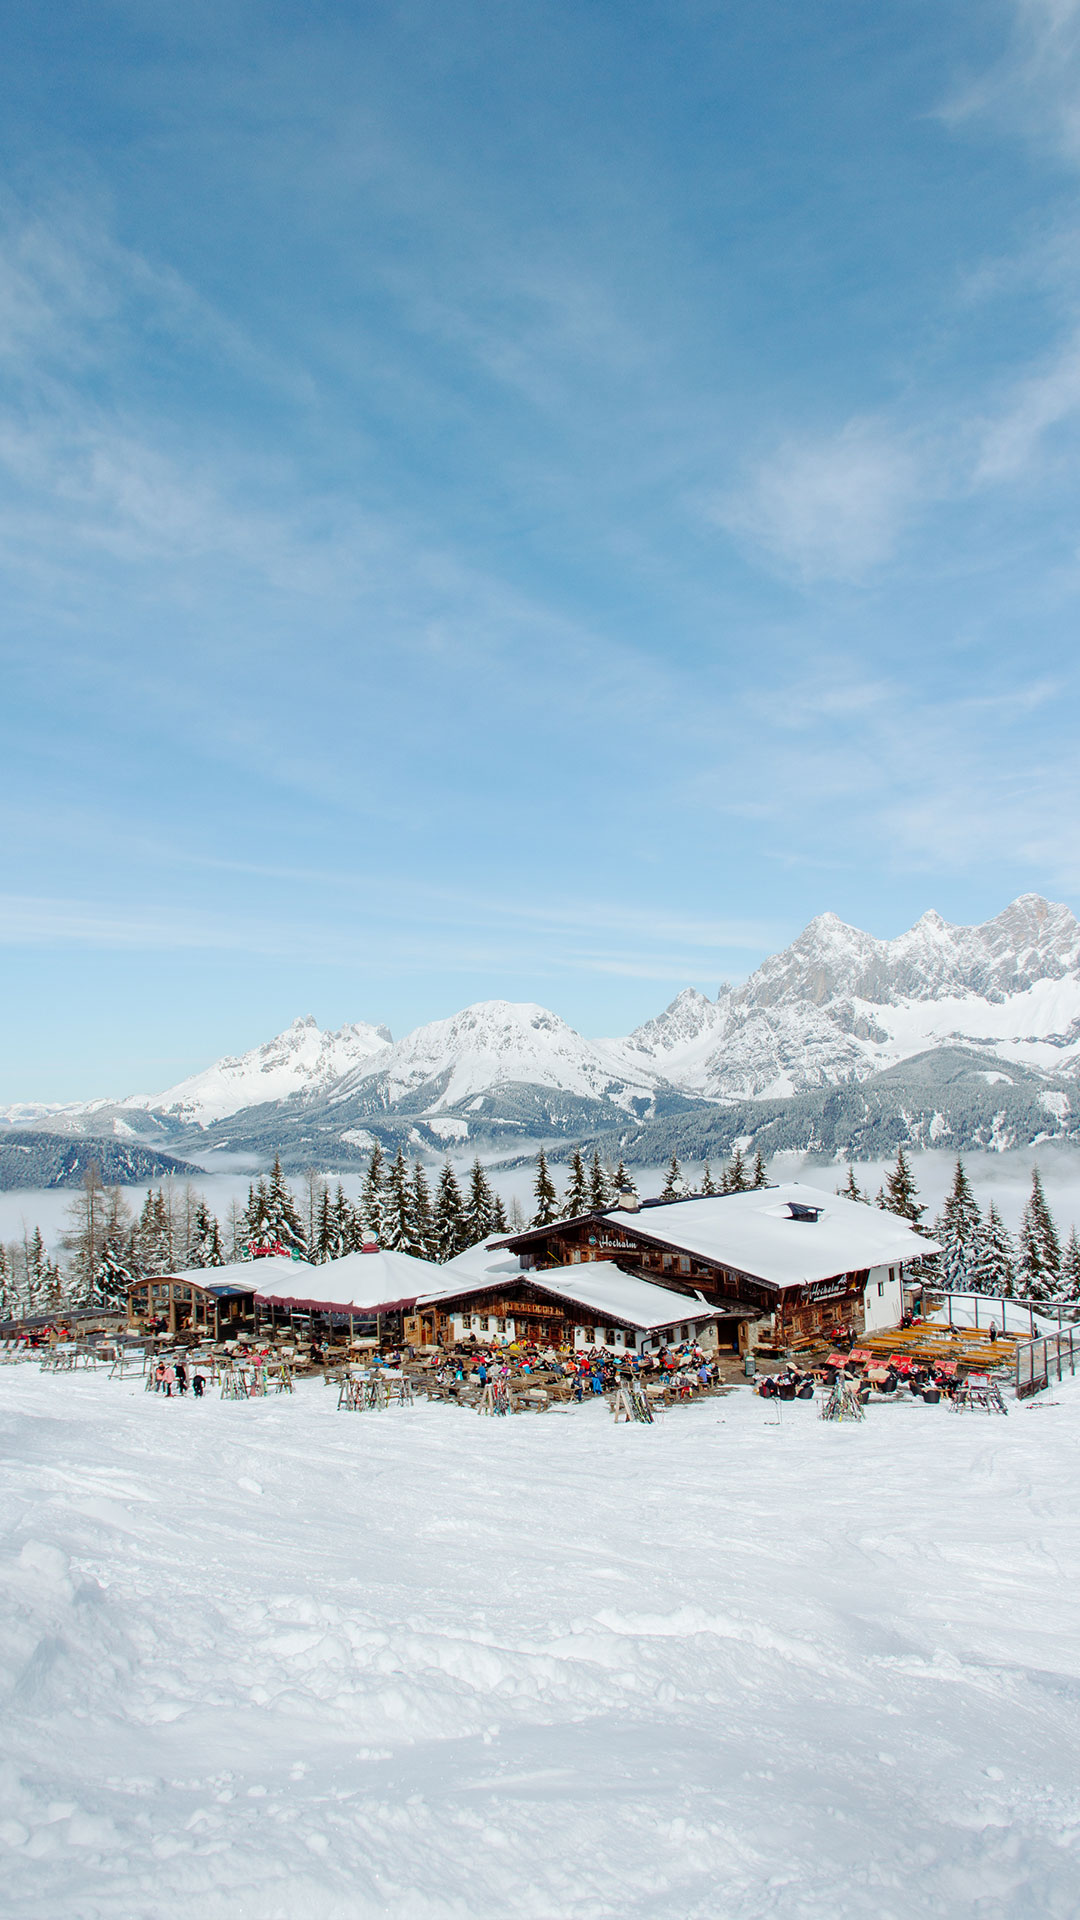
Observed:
{"x":373,"y":1194}
{"x":422,"y":1220}
{"x":708,"y":1184}
{"x":397,"y":1206}
{"x":449,"y":1216}
{"x":995,"y":1259}
{"x":576,"y":1197}
{"x":900,"y":1194}
{"x":673,"y":1188}
{"x":544,"y":1194}
{"x":959,"y":1229}
{"x":282,"y":1221}
{"x":479,"y":1212}
{"x":600,"y":1195}
{"x":735,"y":1178}
{"x":321,"y":1240}
{"x":1040,"y":1248}
{"x":760,"y":1176}
{"x":1070,"y":1269}
{"x":851,"y":1189}
{"x":343,"y":1236}
{"x":256,"y":1217}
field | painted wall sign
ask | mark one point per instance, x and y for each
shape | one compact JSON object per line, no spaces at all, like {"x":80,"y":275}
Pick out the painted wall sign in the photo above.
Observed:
{"x":612,"y":1240}
{"x":826,"y":1289}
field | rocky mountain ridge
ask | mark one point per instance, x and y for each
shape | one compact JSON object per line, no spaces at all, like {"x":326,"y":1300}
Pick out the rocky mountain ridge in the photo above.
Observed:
{"x":988,"y":1008}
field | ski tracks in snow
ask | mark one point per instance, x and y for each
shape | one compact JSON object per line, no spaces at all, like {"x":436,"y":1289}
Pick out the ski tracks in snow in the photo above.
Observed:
{"x":282,"y":1663}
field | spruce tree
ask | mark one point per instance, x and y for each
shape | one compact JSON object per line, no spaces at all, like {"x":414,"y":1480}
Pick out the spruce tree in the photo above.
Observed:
{"x":623,"y":1182}
{"x":708,"y":1184}
{"x":397,"y":1206}
{"x":373,"y":1194}
{"x":544,"y":1194}
{"x":35,"y":1272}
{"x":851,"y":1189}
{"x":256,"y":1230}
{"x":576,"y":1197}
{"x":421,"y":1221}
{"x":283,"y":1224}
{"x":343,"y":1226}
{"x":673,"y":1183}
{"x":735,"y":1178}
{"x":499,"y":1222}
{"x":449,"y":1216}
{"x":959,"y":1230}
{"x":204,"y":1246}
{"x":900,"y":1193}
{"x":600,"y":1195}
{"x":478,"y":1219}
{"x":995,"y":1259}
{"x":1040,"y":1249}
{"x":324,"y":1230}
{"x":1070,"y":1269}
{"x":760,"y":1176}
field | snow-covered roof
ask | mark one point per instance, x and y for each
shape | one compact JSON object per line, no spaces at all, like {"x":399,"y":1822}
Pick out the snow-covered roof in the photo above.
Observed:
{"x":598,"y":1285}
{"x":239,"y":1276}
{"x":755,"y":1233}
{"x":484,"y":1258}
{"x":358,"y":1283}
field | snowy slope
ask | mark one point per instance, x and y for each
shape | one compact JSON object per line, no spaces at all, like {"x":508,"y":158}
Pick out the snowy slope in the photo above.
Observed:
{"x":262,"y":1660}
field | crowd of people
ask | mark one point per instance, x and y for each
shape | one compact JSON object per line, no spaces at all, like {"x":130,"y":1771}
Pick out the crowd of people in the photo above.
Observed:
{"x":589,"y":1370}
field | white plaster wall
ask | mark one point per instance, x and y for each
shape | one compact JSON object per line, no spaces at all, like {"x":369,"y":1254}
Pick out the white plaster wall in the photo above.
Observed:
{"x":884,"y":1299}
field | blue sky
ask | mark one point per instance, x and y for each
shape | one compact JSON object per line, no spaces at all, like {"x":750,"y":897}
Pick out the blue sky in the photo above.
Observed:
{"x":526,"y":501}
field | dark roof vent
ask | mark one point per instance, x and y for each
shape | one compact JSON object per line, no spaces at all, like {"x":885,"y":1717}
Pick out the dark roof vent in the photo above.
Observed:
{"x":800,"y":1212}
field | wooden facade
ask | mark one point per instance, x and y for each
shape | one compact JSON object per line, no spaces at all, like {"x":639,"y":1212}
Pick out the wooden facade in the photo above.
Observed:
{"x":523,"y":1310}
{"x":188,"y":1306}
{"x":740,"y":1298}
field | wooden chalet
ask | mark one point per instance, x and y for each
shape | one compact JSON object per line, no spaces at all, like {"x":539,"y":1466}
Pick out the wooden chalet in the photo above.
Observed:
{"x":573,"y":1306}
{"x":782,"y":1263}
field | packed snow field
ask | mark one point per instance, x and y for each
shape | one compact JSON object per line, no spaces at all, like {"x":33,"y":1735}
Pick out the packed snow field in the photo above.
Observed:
{"x":268,"y":1661}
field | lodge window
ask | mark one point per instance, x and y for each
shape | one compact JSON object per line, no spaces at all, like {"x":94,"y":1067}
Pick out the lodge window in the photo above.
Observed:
{"x":575,"y":1256}
{"x":502,"y":1326}
{"x":684,"y":1263}
{"x":666,"y":1262}
{"x":685,"y":1335}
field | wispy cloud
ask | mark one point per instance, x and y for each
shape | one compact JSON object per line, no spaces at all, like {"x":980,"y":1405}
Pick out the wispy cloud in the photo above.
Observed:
{"x":832,"y":507}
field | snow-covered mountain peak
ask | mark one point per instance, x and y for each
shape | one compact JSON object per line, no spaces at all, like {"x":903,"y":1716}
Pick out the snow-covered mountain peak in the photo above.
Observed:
{"x":664,"y":1040}
{"x":301,"y":1062}
{"x":495,"y":1043}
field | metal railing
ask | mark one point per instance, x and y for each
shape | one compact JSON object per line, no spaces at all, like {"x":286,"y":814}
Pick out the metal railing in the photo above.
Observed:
{"x":1007,"y":1313}
{"x":1049,"y":1358}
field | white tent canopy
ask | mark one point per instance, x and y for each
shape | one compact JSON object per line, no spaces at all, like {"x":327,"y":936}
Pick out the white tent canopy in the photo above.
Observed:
{"x":359,"y":1283}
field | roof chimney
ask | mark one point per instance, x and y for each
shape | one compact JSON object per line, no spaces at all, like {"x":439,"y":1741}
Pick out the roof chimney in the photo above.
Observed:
{"x":628,"y":1202}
